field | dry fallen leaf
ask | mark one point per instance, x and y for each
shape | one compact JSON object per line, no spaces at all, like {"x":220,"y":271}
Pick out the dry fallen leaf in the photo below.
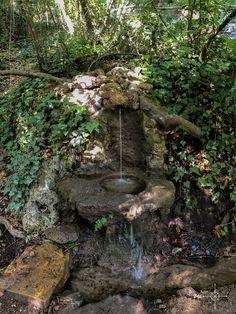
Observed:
{"x":217,"y":231}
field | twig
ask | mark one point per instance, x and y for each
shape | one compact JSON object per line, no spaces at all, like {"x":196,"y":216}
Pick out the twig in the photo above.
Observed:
{"x":14,"y":232}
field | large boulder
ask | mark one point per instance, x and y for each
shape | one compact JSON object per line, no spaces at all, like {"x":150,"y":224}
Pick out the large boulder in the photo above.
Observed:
{"x":40,"y":212}
{"x":97,"y":283}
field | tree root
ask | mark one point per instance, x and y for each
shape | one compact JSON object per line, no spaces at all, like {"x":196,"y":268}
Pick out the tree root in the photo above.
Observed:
{"x":15,"y":233}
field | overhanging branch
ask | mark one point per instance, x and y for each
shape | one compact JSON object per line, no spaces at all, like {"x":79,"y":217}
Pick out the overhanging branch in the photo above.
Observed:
{"x":165,"y":120}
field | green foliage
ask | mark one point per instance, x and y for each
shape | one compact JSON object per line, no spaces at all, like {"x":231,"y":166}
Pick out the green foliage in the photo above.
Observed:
{"x":204,"y":94}
{"x":101,"y":222}
{"x":32,"y":120}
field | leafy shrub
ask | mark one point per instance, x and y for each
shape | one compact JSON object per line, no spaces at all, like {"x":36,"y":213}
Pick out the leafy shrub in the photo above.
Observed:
{"x":31,"y":121}
{"x":204,"y":94}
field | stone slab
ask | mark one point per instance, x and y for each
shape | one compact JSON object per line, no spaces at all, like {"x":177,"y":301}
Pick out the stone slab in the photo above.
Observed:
{"x":36,"y":274}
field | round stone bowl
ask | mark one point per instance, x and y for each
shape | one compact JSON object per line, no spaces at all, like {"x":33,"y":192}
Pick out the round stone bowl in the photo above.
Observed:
{"x":128,"y":184}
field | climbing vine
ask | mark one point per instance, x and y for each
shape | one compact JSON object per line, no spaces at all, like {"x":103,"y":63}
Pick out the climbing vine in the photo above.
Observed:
{"x":204,"y":94}
{"x":33,"y":122}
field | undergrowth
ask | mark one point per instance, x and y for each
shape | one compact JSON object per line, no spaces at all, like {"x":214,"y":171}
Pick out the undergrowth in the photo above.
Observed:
{"x":206,"y":95}
{"x":33,"y":120}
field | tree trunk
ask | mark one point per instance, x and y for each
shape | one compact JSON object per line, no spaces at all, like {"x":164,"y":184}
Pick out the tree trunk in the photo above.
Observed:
{"x":87,"y":15}
{"x":203,"y":54}
{"x":38,"y":47}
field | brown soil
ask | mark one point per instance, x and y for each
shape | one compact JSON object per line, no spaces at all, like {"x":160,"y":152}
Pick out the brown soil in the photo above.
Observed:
{"x":219,"y":301}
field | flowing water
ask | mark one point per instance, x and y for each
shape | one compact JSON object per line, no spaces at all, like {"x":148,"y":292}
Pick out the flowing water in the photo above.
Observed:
{"x":121,"y":152}
{"x":137,"y":254}
{"x":136,"y":247}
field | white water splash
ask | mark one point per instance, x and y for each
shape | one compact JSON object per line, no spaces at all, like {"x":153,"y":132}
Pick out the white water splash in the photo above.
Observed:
{"x":138,"y":272}
{"x":137,"y":254}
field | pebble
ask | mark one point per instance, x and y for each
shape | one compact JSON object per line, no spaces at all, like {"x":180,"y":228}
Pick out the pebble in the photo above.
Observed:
{"x":32,"y":254}
{"x":56,"y":308}
{"x":162,"y":306}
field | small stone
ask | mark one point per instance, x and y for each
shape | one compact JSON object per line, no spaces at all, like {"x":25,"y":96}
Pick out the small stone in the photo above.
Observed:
{"x":85,"y":81}
{"x":113,"y":93}
{"x":68,"y":297}
{"x":158,"y":301}
{"x":145,"y":86}
{"x":162,"y":306}
{"x":56,"y":308}
{"x":62,"y":234}
{"x":32,"y":254}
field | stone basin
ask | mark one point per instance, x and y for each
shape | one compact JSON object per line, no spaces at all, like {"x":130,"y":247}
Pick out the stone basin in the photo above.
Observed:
{"x":128,"y":184}
{"x":93,"y":201}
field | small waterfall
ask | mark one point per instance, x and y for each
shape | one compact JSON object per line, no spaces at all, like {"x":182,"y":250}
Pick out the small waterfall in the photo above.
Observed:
{"x":137,"y":254}
{"x":121,"y":152}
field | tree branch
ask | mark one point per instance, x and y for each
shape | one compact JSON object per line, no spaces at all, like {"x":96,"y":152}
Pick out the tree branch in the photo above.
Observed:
{"x":33,"y":74}
{"x":165,"y":120}
{"x":13,"y":231}
{"x":203,"y":54}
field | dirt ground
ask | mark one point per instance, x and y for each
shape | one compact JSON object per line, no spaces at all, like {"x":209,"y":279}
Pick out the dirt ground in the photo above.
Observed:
{"x":218,"y":301}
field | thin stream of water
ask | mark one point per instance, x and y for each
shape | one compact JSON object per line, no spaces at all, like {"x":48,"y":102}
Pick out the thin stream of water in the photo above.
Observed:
{"x":121,"y":152}
{"x":136,"y":248}
{"x":137,"y":253}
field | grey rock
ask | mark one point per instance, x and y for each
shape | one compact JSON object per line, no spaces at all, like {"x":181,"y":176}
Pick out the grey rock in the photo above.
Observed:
{"x":40,"y":211}
{"x":97,"y":283}
{"x":62,"y":234}
{"x":69,"y":297}
{"x":90,"y":98}
{"x":112,"y":305}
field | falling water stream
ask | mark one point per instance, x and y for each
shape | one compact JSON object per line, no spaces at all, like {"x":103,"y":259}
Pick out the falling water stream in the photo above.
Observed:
{"x":136,"y":247}
{"x":121,"y":152}
{"x":137,"y":254}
